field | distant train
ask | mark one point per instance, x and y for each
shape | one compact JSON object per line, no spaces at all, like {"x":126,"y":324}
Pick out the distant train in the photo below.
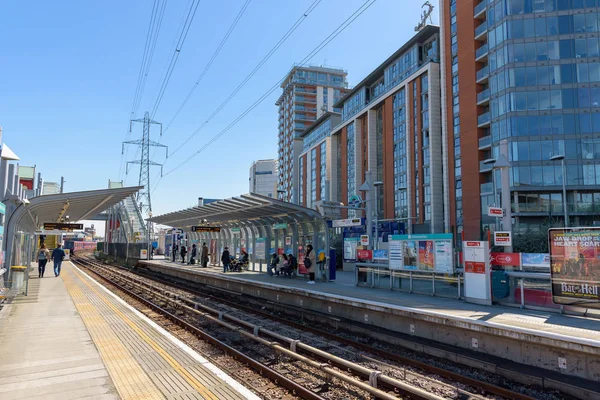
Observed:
{"x":77,"y":245}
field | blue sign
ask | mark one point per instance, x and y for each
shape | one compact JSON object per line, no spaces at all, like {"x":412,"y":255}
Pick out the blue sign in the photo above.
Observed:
{"x":535,"y":259}
{"x":429,"y":236}
{"x":380,"y":255}
{"x":354,"y":201}
{"x":2,"y":208}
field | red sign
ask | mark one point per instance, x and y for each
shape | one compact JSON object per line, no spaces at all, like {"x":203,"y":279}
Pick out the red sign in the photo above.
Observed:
{"x":475,"y":267}
{"x":506,"y":259}
{"x":495,"y":212}
{"x":474,"y":244}
{"x":364,"y":255}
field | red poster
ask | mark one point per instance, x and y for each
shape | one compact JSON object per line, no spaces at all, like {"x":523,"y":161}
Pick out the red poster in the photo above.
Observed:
{"x":364,"y":255}
{"x":475,"y":267}
{"x":426,"y":254}
{"x":506,"y":259}
{"x":280,"y":251}
{"x":301,"y":268}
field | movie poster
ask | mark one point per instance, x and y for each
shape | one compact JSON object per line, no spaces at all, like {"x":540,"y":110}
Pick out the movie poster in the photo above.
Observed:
{"x":575,"y":265}
{"x":426,"y":255}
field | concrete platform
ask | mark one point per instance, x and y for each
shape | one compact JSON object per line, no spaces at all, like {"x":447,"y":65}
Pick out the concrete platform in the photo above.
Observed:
{"x":71,"y":338}
{"x":566,"y":344}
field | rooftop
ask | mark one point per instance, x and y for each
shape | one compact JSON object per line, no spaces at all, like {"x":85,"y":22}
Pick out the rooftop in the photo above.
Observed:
{"x":421,"y":37}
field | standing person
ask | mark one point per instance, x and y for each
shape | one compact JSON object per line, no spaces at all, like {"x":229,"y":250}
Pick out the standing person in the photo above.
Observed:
{"x":58,"y":255}
{"x":43,"y":257}
{"x":204,"y":255}
{"x":174,"y":250}
{"x":193,"y":256}
{"x":225,"y":259}
{"x":183,"y":253}
{"x":310,"y":264}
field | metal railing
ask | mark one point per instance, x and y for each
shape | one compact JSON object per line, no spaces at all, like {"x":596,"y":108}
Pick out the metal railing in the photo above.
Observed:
{"x":485,"y":141}
{"x":481,"y":29}
{"x":428,"y":283}
{"x":486,"y":188}
{"x":484,"y":118}
{"x":483,"y":96}
{"x":483,"y":73}
{"x":479,"y":8}
{"x":482,"y":51}
{"x":483,"y":167}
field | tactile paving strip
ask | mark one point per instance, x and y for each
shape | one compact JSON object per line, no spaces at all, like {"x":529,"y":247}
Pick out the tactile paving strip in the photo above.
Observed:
{"x":158,"y":366}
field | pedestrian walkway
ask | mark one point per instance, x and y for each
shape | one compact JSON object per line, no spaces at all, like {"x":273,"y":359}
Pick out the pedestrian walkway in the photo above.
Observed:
{"x":72,"y":338}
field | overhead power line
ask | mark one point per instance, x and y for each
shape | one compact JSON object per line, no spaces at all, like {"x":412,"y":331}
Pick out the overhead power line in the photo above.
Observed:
{"x":178,"y":46}
{"x":210,"y":62}
{"x":305,"y":60}
{"x":252,"y":73}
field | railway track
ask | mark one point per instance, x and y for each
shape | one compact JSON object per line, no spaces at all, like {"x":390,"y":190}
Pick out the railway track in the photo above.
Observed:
{"x":335,"y":361}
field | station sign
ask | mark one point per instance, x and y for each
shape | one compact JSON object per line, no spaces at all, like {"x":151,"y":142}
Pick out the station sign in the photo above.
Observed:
{"x":364,"y":240}
{"x":355,"y":201}
{"x":342,"y":223}
{"x":502,"y":239}
{"x":206,"y":229}
{"x":281,"y":225}
{"x":235,"y":230}
{"x":55,"y":226}
{"x":497,"y":212}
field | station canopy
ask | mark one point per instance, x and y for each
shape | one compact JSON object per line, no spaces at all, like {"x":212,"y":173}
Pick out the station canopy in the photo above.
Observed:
{"x":77,"y":205}
{"x":247,"y":207}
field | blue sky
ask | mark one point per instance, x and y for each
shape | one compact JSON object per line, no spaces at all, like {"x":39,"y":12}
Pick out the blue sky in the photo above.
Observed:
{"x":68,"y":72}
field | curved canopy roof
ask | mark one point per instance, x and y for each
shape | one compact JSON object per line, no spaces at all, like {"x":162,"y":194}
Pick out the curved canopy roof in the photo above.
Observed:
{"x":77,"y":205}
{"x":247,"y":207}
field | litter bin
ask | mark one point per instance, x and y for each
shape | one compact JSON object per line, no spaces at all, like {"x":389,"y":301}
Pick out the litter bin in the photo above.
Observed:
{"x":18,"y":275}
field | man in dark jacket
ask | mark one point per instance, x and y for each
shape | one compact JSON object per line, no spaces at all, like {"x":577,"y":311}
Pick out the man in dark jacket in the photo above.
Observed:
{"x":193,"y":255}
{"x":58,"y":255}
{"x":174,"y":250}
{"x":204,"y":255}
{"x":225,"y":259}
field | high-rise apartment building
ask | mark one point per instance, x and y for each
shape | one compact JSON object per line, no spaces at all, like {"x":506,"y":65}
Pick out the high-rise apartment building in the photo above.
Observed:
{"x":308,"y":93}
{"x":522,"y":82}
{"x":263,"y":178}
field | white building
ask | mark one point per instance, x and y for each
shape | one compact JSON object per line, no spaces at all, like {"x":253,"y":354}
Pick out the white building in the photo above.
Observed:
{"x":263,"y":178}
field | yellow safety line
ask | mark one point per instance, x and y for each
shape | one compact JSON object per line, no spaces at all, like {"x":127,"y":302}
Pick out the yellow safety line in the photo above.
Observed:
{"x":131,"y":381}
{"x":174,"y":363}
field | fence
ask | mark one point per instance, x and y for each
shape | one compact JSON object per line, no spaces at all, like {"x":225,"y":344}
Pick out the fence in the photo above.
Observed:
{"x":123,"y":253}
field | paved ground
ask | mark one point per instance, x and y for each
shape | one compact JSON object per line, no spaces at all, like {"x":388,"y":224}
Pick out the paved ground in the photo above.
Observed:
{"x":71,"y":338}
{"x":544,"y":321}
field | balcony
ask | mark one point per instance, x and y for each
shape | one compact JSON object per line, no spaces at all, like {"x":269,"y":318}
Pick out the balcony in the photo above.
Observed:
{"x":479,"y":11}
{"x":486,"y":188}
{"x":305,"y":90}
{"x":485,"y":167}
{"x":485,"y":142}
{"x":483,"y":97}
{"x":302,"y":99}
{"x":483,"y":74}
{"x":481,"y":52}
{"x":480,"y":31}
{"x":484,"y":119}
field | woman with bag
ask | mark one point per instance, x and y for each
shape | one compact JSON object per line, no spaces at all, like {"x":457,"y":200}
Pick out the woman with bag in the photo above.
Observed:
{"x":310,"y":264}
{"x":43,"y":257}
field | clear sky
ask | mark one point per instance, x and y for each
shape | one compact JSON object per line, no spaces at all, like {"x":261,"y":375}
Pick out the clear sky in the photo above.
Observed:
{"x":68,"y":73}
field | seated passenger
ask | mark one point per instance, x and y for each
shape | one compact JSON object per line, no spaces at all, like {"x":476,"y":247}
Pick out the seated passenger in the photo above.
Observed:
{"x":292,"y":265}
{"x":272,"y":268}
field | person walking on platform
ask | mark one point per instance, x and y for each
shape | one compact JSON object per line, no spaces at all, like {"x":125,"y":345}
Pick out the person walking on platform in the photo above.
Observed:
{"x":183,"y":253}
{"x":310,"y":264}
{"x":58,"y":256}
{"x":43,"y":257}
{"x":193,"y":255}
{"x":204,"y":255}
{"x":225,"y":259}
{"x":174,"y":250}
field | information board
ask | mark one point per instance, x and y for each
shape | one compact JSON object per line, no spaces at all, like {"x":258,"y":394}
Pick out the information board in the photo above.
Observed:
{"x":206,"y":229}
{"x":261,"y":252}
{"x":575,"y":266}
{"x":350,"y":245}
{"x":477,"y":272}
{"x":427,"y":253}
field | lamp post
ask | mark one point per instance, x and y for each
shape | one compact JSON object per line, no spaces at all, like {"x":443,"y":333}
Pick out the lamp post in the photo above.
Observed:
{"x":376,"y":185}
{"x":561,"y":157}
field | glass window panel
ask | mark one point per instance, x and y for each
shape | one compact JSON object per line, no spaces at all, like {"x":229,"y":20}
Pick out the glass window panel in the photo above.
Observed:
{"x":522,"y":126}
{"x":592,"y":47}
{"x":566,"y":48}
{"x":524,"y":176}
{"x":564,"y":24}
{"x":537,"y":176}
{"x":540,"y":27}
{"x":556,"y":101}
{"x":529,"y":51}
{"x":570,"y":124}
{"x":594,"y":71}
{"x":572,"y":149}
{"x":547,"y":149}
{"x":517,"y":30}
{"x":589,"y":175}
{"x":543,"y":75}
{"x":542,"y":51}
{"x":552,"y":26}
{"x":520,"y":77}
{"x":531,"y":73}
{"x":545,"y":122}
{"x":595,"y":98}
{"x":557,"y":122}
{"x":591,"y":22}
{"x":582,"y":72}
{"x":566,"y":73}
{"x":579,"y":23}
{"x":520,"y":101}
{"x":523,"y":151}
{"x":529,"y":28}
{"x":535,"y":150}
{"x":544,"y":99}
{"x":569,"y":98}
{"x":553,"y":50}
{"x":532,"y":101}
{"x":558,"y":147}
{"x":574,"y":174}
{"x":519,"y":52}
{"x":534,"y":126}
{"x":580,"y":48}
{"x":585,"y":125}
{"x":583,"y":96}
{"x":555,"y":74}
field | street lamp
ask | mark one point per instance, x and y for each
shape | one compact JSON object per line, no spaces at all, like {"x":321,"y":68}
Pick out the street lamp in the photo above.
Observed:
{"x":561,"y":157}
{"x":376,"y":185}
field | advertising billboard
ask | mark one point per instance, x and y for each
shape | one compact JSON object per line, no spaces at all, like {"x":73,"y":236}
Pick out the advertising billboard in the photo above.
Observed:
{"x":427,"y":253}
{"x":575,"y":265}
